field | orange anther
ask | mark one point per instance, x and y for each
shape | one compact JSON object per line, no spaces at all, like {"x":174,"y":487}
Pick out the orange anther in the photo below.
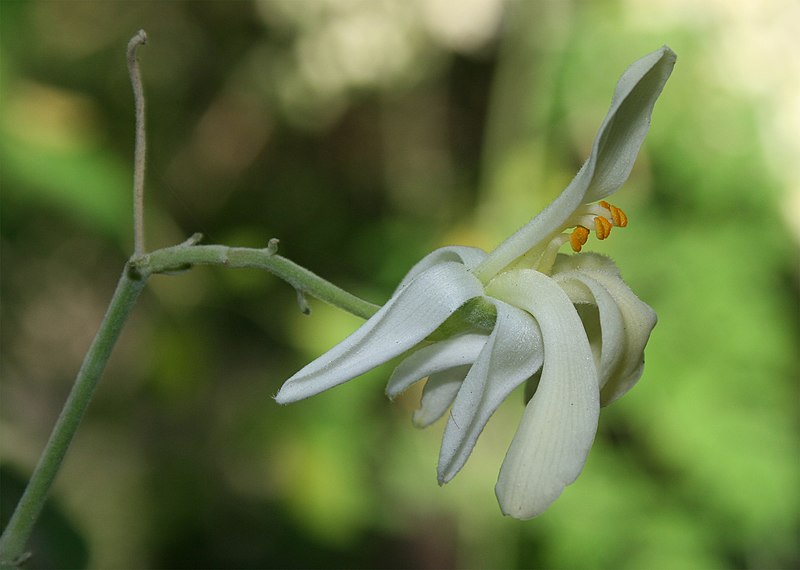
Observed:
{"x":578,"y":237}
{"x":602,"y":227}
{"x":617,"y":215}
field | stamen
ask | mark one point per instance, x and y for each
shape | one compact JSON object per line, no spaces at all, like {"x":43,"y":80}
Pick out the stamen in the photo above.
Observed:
{"x":617,"y":215}
{"x":604,"y":216}
{"x":578,"y":238}
{"x":602,"y":227}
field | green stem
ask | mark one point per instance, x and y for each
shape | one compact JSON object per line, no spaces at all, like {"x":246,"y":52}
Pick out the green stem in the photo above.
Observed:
{"x":304,"y":281}
{"x":16,"y":534}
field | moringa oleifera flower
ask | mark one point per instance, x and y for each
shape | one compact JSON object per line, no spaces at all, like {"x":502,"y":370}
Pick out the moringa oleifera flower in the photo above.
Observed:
{"x":477,"y":325}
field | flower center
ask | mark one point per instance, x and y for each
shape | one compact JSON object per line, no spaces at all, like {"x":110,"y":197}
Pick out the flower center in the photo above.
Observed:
{"x":603,"y":216}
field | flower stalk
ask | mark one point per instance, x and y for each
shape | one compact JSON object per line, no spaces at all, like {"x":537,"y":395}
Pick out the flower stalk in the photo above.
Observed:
{"x":20,"y":526}
{"x":179,"y":257}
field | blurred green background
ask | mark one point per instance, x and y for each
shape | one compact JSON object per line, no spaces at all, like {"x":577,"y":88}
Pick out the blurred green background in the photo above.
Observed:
{"x":364,"y":133}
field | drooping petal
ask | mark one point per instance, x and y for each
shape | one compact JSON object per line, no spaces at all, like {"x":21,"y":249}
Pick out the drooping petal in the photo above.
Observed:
{"x":469,"y":256}
{"x":439,"y":356}
{"x":408,"y":317}
{"x":438,"y":395}
{"x":510,"y":356}
{"x":613,"y":153}
{"x":638,"y":318}
{"x":559,"y":424}
{"x":610,"y":339}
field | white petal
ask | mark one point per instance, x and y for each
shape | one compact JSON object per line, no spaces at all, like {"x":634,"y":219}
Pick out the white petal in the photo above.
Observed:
{"x":612,"y":340}
{"x":638,"y":319}
{"x":469,"y":256}
{"x":511,"y":355}
{"x":551,"y":444}
{"x":439,"y":356}
{"x":438,"y":395}
{"x":613,"y":153}
{"x":407,"y":318}
{"x":628,"y":121}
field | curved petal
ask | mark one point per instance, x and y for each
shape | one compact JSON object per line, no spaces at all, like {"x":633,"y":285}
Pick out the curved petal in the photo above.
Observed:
{"x":439,"y":356}
{"x":628,"y":121}
{"x":438,"y":395}
{"x":512,"y":354}
{"x":408,"y":317}
{"x":469,"y":256}
{"x":638,"y":319}
{"x":610,"y":347}
{"x":559,"y":424}
{"x":613,"y":153}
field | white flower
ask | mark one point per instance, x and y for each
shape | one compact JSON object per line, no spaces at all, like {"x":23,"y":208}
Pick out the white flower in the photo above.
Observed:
{"x":482,"y":324}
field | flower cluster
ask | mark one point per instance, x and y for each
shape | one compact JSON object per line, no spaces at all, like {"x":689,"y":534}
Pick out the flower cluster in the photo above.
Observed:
{"x":477,"y":325}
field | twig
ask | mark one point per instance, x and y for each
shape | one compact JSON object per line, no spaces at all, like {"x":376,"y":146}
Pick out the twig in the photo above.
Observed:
{"x":141,"y":143}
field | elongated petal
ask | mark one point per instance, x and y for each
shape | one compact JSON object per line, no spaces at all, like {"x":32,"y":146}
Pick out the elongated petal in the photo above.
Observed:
{"x":628,"y":121}
{"x":559,"y":424}
{"x":407,"y":318}
{"x":469,"y":256}
{"x":438,"y":395}
{"x":638,"y":319}
{"x":439,"y":356}
{"x":510,"y":356}
{"x":610,"y":338}
{"x":613,"y":153}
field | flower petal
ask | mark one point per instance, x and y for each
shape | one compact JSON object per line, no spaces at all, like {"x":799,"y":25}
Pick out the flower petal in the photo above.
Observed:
{"x":610,"y":339}
{"x":638,"y":318}
{"x":408,"y":317}
{"x":553,"y":440}
{"x":613,"y":153}
{"x":510,"y":356}
{"x":439,"y":356}
{"x":628,"y":121}
{"x":469,"y":256}
{"x":438,"y":395}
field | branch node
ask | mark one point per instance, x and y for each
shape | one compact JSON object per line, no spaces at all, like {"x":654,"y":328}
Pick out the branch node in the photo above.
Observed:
{"x":302,"y":303}
{"x":193,"y":240}
{"x":272,"y":246}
